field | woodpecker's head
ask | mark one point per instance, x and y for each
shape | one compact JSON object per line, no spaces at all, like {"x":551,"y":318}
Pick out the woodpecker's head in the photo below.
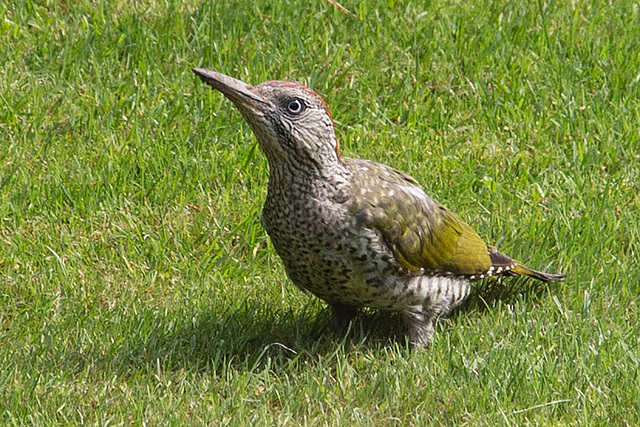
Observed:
{"x":291,"y":122}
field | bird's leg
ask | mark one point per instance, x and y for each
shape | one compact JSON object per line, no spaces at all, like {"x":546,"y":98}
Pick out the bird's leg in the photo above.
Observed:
{"x":342,"y":315}
{"x":419,"y":327}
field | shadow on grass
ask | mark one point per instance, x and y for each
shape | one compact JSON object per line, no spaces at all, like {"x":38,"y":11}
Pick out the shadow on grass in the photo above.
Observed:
{"x":251,"y":338}
{"x":256,"y":336}
{"x":506,"y":290}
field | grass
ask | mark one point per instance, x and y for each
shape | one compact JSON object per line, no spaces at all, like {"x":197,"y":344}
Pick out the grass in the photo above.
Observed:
{"x":137,"y":286}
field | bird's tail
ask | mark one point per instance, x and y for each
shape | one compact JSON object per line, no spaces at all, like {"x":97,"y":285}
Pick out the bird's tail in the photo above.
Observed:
{"x":504,"y":264}
{"x":540,"y":275}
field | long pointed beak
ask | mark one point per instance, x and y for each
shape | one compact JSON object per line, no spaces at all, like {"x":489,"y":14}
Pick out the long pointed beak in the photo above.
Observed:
{"x":237,"y":91}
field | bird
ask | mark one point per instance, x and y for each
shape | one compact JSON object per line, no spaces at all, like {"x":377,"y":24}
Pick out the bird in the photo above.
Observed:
{"x":353,"y":232}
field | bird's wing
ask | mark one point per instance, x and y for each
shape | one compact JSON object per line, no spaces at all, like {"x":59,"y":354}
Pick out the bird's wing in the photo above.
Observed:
{"x":419,"y":231}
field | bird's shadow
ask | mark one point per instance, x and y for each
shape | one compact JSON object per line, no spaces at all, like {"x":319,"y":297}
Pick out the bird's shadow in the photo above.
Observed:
{"x":487,"y":294}
{"x":249,"y":338}
{"x":254,"y":335}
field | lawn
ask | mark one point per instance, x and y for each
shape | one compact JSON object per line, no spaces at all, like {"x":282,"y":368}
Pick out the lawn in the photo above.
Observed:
{"x":137,"y":286}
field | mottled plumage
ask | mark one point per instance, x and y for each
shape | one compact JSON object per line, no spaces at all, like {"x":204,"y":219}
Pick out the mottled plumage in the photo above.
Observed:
{"x":354,"y":232}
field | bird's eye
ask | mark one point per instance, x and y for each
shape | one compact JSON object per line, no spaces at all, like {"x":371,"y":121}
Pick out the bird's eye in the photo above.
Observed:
{"x":295,"y":106}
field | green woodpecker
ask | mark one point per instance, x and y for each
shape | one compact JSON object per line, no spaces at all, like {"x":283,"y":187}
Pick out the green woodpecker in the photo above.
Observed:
{"x":353,"y":232}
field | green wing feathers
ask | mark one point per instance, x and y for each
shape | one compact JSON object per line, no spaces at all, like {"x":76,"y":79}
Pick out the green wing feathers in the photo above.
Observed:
{"x":471,"y":255}
{"x":421,"y":232}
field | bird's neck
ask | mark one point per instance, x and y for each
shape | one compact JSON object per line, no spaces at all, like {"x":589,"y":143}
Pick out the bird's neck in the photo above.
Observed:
{"x":290,"y":180}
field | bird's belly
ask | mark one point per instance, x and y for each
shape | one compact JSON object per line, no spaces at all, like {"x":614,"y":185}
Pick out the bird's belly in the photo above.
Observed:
{"x":335,"y":263}
{"x":327,"y":272}
{"x":357,"y":269}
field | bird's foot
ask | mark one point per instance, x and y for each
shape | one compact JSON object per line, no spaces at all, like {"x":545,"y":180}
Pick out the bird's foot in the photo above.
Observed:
{"x":419,"y":328}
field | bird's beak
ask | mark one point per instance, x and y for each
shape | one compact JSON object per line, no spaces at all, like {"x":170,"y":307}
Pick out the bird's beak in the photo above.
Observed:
{"x":240,"y":93}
